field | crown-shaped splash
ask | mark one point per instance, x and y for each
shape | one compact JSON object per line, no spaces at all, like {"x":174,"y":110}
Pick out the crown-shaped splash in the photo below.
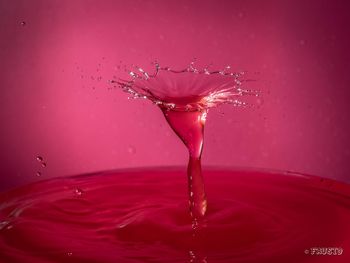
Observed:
{"x":187,"y":89}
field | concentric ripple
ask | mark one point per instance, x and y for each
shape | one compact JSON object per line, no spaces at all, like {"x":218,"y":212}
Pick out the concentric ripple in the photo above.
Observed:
{"x":141,"y":216}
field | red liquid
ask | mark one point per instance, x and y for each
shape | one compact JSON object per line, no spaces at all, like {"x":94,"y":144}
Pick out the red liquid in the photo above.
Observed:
{"x":139,"y":216}
{"x":189,"y":126}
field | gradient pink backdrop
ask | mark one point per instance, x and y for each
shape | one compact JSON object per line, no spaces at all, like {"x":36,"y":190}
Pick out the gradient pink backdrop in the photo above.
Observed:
{"x":50,"y":105}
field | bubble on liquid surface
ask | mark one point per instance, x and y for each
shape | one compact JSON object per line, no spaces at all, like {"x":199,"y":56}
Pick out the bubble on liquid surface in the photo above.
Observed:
{"x":38,"y":174}
{"x":39,"y":158}
{"x":43,"y":164}
{"x":23,"y":23}
{"x":78,"y":191}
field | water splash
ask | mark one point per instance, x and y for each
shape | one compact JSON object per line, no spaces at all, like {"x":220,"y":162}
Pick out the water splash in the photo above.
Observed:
{"x":188,"y":89}
{"x":185,"y":97}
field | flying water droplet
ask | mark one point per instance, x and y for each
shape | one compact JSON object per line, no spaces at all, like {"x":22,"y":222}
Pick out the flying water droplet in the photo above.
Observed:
{"x":131,"y":150}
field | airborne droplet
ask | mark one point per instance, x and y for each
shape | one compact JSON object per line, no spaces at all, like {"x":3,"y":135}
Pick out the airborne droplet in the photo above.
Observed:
{"x":131,"y":149}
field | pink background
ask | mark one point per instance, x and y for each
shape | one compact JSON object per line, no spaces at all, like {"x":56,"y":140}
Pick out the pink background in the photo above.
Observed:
{"x":51,"y":106}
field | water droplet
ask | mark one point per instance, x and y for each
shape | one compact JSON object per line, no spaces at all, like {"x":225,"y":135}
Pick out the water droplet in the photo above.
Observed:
{"x":38,"y":174}
{"x":23,"y":23}
{"x":69,"y":254}
{"x":39,"y":158}
{"x":131,"y":150}
{"x":78,"y":191}
{"x":43,"y":165}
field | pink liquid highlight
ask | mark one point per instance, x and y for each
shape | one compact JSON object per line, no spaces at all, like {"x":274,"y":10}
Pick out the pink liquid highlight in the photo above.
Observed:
{"x":138,"y":216}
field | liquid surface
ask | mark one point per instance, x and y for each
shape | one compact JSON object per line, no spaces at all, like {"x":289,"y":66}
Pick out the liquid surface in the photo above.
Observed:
{"x":142,"y":216}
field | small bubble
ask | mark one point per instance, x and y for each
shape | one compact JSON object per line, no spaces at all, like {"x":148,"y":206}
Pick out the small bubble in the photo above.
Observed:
{"x":23,"y":23}
{"x":69,"y":254}
{"x":43,"y":165}
{"x":39,"y":158}
{"x":38,"y":174}
{"x":78,"y":191}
